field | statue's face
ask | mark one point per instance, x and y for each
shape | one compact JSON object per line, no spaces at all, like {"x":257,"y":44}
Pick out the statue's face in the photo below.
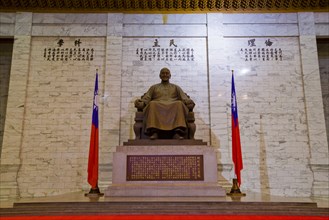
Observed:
{"x":165,"y":75}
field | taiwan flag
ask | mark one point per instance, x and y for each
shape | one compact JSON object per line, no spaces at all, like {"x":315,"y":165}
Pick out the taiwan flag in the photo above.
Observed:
{"x":236,"y":144}
{"x":93,"y":148}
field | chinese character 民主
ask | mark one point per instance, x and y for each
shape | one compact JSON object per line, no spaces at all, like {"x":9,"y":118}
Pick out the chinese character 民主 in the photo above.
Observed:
{"x":156,"y":43}
{"x":172,"y":42}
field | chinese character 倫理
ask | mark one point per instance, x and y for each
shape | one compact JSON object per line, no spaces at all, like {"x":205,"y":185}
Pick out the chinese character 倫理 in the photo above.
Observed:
{"x":251,"y":43}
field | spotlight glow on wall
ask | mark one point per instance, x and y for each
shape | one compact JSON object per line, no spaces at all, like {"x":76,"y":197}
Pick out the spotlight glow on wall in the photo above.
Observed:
{"x":244,"y":71}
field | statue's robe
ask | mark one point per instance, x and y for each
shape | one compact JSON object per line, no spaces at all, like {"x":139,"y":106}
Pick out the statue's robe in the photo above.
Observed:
{"x":165,"y":108}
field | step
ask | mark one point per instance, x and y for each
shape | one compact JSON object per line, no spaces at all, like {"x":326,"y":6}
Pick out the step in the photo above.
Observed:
{"x":216,"y":208}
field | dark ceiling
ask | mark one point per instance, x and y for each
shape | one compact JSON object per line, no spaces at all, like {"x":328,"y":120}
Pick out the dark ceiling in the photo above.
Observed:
{"x":164,"y":6}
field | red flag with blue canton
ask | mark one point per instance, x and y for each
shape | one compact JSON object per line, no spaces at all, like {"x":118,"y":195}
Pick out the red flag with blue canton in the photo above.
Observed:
{"x":236,"y":144}
{"x":93,"y":149}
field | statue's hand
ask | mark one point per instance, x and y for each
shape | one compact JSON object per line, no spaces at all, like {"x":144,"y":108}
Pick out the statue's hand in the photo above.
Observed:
{"x":189,"y":104}
{"x":139,"y":104}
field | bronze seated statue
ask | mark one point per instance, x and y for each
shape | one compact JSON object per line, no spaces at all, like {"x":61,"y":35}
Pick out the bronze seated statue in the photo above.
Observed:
{"x":140,"y":131}
{"x":164,"y":112}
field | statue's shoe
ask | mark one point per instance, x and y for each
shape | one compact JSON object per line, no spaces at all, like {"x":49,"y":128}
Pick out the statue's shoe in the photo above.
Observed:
{"x":154,"y":136}
{"x":177,"y":136}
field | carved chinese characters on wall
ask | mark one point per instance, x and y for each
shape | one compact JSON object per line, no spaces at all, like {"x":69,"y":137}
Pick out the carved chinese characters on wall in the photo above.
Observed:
{"x":261,"y":51}
{"x":164,"y":167}
{"x":69,"y":53}
{"x":166,"y":50}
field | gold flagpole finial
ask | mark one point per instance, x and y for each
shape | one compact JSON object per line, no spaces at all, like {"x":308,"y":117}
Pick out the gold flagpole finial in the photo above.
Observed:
{"x":96,"y":70}
{"x":232,"y":71}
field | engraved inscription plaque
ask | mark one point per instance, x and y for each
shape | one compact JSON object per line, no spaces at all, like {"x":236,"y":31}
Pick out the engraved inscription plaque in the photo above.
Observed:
{"x":164,"y":167}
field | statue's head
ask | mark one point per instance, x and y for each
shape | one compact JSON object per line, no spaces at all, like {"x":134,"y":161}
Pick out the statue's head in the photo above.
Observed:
{"x":165,"y":74}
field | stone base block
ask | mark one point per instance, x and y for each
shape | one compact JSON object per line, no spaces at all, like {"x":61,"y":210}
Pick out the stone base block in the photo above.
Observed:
{"x":157,"y":182}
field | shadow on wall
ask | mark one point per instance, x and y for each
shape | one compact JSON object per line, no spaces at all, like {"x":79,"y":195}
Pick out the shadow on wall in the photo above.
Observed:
{"x":323,"y":55}
{"x":6,"y":50}
{"x":223,"y":169}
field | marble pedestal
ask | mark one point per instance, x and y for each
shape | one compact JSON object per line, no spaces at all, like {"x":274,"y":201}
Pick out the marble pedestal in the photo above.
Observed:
{"x":207,"y":186}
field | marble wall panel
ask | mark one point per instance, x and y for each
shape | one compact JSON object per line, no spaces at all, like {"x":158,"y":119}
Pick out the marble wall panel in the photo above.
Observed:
{"x":58,"y":118}
{"x":322,"y":30}
{"x":9,"y":18}
{"x":256,"y":18}
{"x":165,"y":19}
{"x":114,"y":25}
{"x":241,"y":30}
{"x":111,"y":99}
{"x":73,"y":18}
{"x":306,"y":24}
{"x":23,"y":23}
{"x":138,"y":75}
{"x":217,"y":83}
{"x":69,"y":30}
{"x":321,"y":20}
{"x":271,"y":107}
{"x":321,"y":17}
{"x":312,"y":88}
{"x":165,"y":30}
{"x":7,"y":23}
{"x":7,"y":30}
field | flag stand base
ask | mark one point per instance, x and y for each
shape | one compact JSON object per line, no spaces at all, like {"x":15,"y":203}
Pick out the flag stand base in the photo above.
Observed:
{"x":94,"y":192}
{"x":235,"y":190}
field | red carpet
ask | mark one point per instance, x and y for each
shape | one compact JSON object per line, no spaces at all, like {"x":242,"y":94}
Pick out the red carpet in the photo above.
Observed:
{"x":166,"y":217}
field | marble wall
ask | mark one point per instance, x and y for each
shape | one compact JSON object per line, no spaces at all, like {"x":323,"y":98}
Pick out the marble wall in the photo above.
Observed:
{"x":283,"y":134}
{"x":272,"y":114}
{"x":58,"y":113}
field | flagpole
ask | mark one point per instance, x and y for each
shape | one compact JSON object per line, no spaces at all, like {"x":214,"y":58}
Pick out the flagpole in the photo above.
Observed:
{"x":236,"y":145}
{"x":94,"y":147}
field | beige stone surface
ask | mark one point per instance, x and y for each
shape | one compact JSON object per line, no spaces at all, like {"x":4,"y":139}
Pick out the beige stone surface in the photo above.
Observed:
{"x":122,"y":187}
